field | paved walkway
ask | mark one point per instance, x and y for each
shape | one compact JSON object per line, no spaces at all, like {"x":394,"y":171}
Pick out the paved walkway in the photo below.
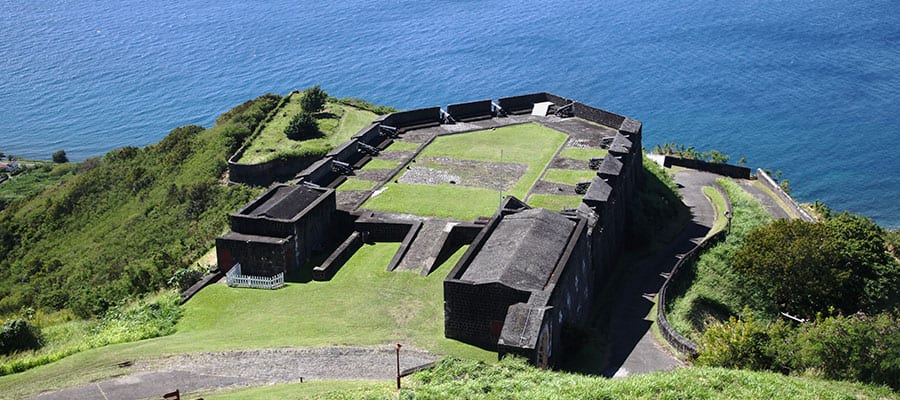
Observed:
{"x":633,"y":349}
{"x":764,"y":198}
{"x":193,"y":372}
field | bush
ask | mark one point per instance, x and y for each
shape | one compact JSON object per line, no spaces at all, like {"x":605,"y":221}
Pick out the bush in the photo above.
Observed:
{"x":184,"y":278}
{"x":302,"y":126}
{"x":18,"y":335}
{"x":313,"y":99}
{"x":60,"y":157}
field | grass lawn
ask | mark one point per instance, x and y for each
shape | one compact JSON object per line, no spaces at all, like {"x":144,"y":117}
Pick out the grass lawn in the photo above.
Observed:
{"x":305,"y":390}
{"x":569,"y":176}
{"x":554,"y":202}
{"x":356,"y":184}
{"x":380,"y":163}
{"x":530,"y":144}
{"x":718,"y":203}
{"x":385,"y":307}
{"x":582,"y":154}
{"x":338,"y":123}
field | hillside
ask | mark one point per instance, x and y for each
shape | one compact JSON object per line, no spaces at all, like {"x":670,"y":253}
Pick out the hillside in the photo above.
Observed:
{"x":125,"y":222}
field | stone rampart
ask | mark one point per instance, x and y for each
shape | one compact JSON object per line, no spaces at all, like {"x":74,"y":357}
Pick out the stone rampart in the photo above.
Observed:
{"x":597,"y":115}
{"x":254,"y":174}
{"x":523,"y":104}
{"x":414,"y":119}
{"x":471,"y":111}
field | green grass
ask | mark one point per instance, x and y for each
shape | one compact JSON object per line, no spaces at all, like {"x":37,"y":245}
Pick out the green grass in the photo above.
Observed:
{"x":554,"y":202}
{"x":712,"y":291}
{"x":380,"y":163}
{"x":530,"y":144}
{"x":298,"y":391}
{"x":512,"y":378}
{"x":399,"y":145}
{"x":569,"y":176}
{"x":582,"y":154}
{"x":37,"y":178}
{"x":789,"y":210}
{"x":718,"y":203}
{"x":385,"y":307}
{"x":356,"y":184}
{"x":338,"y":123}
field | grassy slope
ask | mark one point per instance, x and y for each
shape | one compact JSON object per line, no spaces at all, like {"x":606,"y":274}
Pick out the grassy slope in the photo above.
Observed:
{"x":714,"y":291}
{"x":529,"y":144}
{"x":718,"y":203}
{"x":36,"y":179}
{"x":385,"y":307}
{"x":514,"y":379}
{"x":338,"y":123}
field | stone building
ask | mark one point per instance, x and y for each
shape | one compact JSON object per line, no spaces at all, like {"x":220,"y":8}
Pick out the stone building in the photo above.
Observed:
{"x":278,"y":231}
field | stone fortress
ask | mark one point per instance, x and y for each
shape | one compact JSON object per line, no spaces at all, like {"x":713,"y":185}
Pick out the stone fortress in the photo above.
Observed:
{"x":529,"y":274}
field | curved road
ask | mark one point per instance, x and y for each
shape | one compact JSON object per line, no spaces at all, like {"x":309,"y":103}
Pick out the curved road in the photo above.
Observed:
{"x":632,"y":347}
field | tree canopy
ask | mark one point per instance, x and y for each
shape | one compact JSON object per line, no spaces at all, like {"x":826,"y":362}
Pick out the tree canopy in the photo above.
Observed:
{"x":313,"y":99}
{"x":302,"y":126}
{"x":806,"y":267}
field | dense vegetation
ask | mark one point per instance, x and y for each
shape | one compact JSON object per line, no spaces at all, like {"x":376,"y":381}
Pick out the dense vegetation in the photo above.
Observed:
{"x":126,"y":222}
{"x":680,"y":150}
{"x":33,"y":177}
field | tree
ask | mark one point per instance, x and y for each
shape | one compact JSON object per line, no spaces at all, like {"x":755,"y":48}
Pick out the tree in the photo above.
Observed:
{"x":313,"y":99}
{"x":18,"y":335}
{"x":806,"y":267}
{"x":302,"y":126}
{"x":60,"y":157}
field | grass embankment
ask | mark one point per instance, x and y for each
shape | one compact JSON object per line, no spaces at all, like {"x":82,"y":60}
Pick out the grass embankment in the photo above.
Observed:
{"x":338,"y":122}
{"x":363,"y":305}
{"x":711,"y":290}
{"x":513,"y":378}
{"x":529,"y":144}
{"x":356,"y":184}
{"x":36,"y":177}
{"x":718,"y":202}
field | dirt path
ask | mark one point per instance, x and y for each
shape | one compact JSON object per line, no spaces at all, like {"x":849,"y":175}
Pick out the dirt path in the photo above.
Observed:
{"x":204,"y":371}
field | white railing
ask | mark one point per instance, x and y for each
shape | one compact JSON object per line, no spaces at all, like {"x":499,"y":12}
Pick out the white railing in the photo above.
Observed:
{"x":235,"y":279}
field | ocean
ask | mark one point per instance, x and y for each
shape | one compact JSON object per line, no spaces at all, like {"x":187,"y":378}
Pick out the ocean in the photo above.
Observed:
{"x":809,"y":88}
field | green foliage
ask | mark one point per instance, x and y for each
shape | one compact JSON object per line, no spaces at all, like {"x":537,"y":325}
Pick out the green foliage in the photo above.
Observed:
{"x":313,"y":99}
{"x":657,"y":201}
{"x":302,"y":126}
{"x":859,"y":347}
{"x":805,"y":267}
{"x":251,"y":111}
{"x":126,"y":322}
{"x":60,"y":157}
{"x":18,"y":335}
{"x":712,"y":289}
{"x":689,"y":152}
{"x":184,"y":278}
{"x":123,"y":226}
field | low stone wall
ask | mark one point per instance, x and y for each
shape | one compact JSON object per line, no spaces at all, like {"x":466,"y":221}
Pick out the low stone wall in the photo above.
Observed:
{"x":255,"y":174}
{"x":733,"y":171}
{"x":338,"y":258}
{"x":422,"y":117}
{"x":471,"y":111}
{"x":771,"y":184}
{"x":597,"y":115}
{"x":525,"y":103}
{"x":202,"y":283}
{"x":404,"y":245}
{"x":264,"y":174}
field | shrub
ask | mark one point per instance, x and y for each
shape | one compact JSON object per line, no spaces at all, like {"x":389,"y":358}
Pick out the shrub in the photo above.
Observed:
{"x":313,"y":99}
{"x":302,"y":126}
{"x":184,"y":278}
{"x":60,"y":157}
{"x":18,"y":335}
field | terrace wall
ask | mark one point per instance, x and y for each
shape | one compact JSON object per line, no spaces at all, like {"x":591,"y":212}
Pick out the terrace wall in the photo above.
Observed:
{"x":523,"y":104}
{"x":597,"y":115}
{"x":338,"y":258}
{"x":734,"y":171}
{"x":471,"y":111}
{"x":419,"y":118}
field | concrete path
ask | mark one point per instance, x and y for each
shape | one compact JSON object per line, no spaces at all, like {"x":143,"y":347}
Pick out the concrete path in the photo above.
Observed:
{"x":633,"y":349}
{"x":764,"y":198}
{"x":194,"y":372}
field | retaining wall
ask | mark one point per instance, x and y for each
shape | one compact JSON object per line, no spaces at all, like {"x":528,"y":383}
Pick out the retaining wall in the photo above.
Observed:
{"x":338,"y":258}
{"x":597,"y":115}
{"x":422,"y":117}
{"x":734,"y":171}
{"x":771,"y":184}
{"x":523,"y":104}
{"x":471,"y":111}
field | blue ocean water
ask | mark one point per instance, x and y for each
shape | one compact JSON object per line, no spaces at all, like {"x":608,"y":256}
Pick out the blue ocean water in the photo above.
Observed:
{"x":811,"y":88}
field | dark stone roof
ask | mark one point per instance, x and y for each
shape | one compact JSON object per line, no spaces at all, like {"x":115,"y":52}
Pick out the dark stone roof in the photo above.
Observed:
{"x":283,"y":202}
{"x":620,"y":144}
{"x":611,"y":167}
{"x":522,"y":251}
{"x":241,"y":237}
{"x":630,"y":125}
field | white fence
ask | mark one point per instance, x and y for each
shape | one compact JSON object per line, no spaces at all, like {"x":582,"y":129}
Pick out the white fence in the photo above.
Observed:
{"x":235,"y":279}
